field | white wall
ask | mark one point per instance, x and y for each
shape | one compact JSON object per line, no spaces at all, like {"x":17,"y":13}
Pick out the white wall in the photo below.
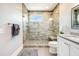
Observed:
{"x":65,"y":17}
{"x":10,"y":13}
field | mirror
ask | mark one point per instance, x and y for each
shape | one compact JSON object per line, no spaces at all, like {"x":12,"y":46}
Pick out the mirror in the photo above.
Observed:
{"x":75,"y":17}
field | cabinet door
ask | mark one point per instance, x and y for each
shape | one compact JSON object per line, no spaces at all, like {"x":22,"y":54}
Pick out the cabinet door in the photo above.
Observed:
{"x":74,"y":50}
{"x":63,"y":47}
{"x":59,"y":39}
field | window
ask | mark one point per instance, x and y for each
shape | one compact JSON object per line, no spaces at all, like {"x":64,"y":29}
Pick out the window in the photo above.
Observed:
{"x":37,"y":18}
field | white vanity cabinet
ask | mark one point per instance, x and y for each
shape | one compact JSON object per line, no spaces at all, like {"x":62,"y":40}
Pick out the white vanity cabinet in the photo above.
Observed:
{"x":67,"y":47}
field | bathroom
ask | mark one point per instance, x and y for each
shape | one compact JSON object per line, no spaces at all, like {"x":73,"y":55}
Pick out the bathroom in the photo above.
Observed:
{"x":39,"y":29}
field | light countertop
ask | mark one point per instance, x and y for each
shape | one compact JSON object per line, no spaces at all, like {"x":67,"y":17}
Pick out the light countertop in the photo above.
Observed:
{"x":69,"y":37}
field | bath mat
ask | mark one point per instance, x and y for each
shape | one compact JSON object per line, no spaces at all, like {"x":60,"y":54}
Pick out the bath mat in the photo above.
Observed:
{"x":29,"y":52}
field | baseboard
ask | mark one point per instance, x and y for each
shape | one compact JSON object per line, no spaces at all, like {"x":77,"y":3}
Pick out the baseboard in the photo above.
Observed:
{"x":17,"y":51}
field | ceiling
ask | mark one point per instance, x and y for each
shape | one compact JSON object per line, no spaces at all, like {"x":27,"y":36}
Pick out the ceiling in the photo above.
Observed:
{"x":40,"y":6}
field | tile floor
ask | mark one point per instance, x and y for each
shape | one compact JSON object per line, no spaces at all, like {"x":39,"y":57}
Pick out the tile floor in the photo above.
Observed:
{"x":35,"y":48}
{"x":42,"y":51}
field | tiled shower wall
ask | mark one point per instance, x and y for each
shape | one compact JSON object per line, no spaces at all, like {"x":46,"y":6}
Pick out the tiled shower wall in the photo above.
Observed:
{"x":25,"y":21}
{"x":39,"y":30}
{"x":54,"y":25}
{"x":42,"y":30}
